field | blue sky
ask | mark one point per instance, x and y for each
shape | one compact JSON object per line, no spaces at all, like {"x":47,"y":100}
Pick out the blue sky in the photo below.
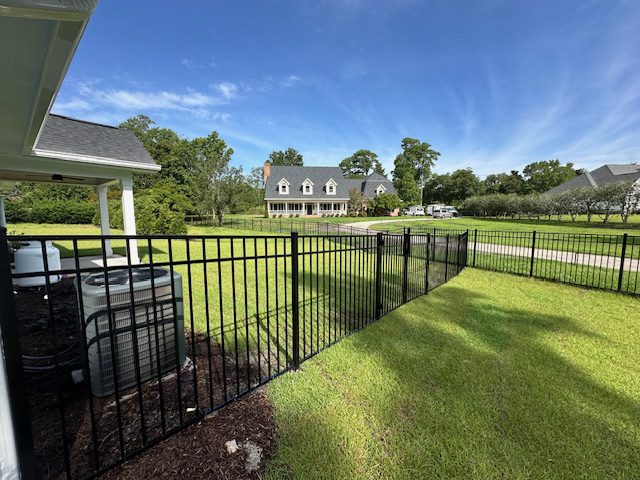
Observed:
{"x":492,"y":85}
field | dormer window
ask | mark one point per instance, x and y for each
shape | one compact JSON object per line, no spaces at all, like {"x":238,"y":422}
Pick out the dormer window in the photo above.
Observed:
{"x":330,"y":187}
{"x":283,"y":187}
{"x":307,"y":187}
{"x":380,"y":190}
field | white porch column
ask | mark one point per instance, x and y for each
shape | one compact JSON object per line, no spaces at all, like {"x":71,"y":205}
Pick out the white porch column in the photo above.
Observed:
{"x":268,"y":209}
{"x":129,"y":216}
{"x":9,"y":467}
{"x":3,"y":217}
{"x":286,"y":208}
{"x":317,"y":208}
{"x":104,"y":217}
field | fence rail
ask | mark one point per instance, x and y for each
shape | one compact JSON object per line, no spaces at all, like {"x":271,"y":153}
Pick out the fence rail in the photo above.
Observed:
{"x":117,"y":356}
{"x":602,"y":261}
{"x":281,"y":225}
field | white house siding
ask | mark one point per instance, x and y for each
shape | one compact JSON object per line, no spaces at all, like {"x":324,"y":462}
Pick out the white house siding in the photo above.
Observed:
{"x":306,"y":209}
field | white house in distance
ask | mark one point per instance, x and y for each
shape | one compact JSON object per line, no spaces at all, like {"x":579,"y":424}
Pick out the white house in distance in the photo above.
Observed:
{"x":316,"y":191}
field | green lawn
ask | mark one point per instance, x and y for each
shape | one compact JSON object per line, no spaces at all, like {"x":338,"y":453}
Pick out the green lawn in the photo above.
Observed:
{"x":596,"y":226}
{"x":489,"y":376}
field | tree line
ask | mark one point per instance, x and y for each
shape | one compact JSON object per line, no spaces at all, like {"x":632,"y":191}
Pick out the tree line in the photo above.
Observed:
{"x":197,"y":179}
{"x":537,"y":177}
{"x":621,"y":198}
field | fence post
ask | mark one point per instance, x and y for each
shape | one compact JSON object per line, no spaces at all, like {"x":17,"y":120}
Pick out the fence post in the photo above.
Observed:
{"x":533,"y":253}
{"x":475,"y":245}
{"x":624,"y":253}
{"x":379,"y":245}
{"x":11,"y":368}
{"x":426,"y":266}
{"x":458,"y":254}
{"x":295,"y":313}
{"x":406,"y":248}
{"x":446,"y":260}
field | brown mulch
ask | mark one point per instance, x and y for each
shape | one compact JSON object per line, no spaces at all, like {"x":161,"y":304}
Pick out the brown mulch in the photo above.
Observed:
{"x":199,"y":451}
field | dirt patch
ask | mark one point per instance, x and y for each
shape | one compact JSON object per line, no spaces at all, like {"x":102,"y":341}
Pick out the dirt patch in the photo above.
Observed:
{"x":199,"y":451}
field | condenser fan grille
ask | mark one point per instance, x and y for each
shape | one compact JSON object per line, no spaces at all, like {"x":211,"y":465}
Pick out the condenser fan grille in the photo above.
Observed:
{"x":121,"y":277}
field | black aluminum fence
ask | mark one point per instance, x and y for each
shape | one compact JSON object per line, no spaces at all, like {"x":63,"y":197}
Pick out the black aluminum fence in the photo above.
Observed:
{"x":108,"y":361}
{"x":280,"y":225}
{"x":603,"y":261}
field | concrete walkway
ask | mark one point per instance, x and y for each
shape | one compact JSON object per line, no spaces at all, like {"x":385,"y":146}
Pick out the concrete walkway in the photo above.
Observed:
{"x":588,"y":259}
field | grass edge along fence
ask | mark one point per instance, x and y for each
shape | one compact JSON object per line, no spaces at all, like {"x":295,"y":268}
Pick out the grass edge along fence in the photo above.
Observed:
{"x":602,"y":261}
{"x":106,"y":362}
{"x":282,"y":225}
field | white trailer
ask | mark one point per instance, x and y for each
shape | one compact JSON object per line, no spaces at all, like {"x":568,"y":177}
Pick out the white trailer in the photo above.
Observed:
{"x":415,"y":210}
{"x":433,"y":206}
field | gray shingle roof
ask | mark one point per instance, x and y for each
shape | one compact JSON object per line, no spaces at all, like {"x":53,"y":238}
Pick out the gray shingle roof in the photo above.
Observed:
{"x":320,"y":176}
{"x":76,"y":137}
{"x":602,"y":176}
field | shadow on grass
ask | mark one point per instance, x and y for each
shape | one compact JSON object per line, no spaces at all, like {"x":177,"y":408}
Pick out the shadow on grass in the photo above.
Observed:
{"x":458,"y":385}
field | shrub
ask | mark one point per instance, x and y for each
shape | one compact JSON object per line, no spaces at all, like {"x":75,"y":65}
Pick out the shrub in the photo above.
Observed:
{"x":161,"y":211}
{"x":384,"y":203}
{"x":51,"y":211}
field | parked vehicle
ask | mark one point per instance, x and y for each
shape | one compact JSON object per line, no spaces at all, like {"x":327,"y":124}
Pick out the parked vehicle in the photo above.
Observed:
{"x":432,"y":206}
{"x":452,"y":210}
{"x":414,"y":210}
{"x":440,"y":212}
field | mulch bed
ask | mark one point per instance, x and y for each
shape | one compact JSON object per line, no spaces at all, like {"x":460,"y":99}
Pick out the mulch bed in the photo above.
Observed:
{"x":199,"y":451}
{"x":196,"y":452}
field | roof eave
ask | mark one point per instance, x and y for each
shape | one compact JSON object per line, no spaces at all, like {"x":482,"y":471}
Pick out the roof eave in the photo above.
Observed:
{"x":112,"y":162}
{"x":65,"y":10}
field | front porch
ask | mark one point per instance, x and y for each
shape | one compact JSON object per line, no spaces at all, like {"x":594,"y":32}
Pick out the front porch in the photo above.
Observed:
{"x":307,"y":209}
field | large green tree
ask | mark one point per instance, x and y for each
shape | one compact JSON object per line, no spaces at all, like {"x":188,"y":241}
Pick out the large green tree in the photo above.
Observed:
{"x":290,"y":156}
{"x":161,"y":143}
{"x":211,"y":159}
{"x":416,"y":160}
{"x":512,"y":182}
{"x":452,"y":188}
{"x":543,"y":176}
{"x":361,"y":164}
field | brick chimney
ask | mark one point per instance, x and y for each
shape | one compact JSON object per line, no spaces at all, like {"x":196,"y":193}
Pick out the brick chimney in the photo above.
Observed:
{"x":267,"y":171}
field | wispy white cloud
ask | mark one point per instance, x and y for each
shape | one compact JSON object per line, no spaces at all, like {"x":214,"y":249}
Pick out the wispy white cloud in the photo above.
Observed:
{"x":187,"y":62}
{"x":91,"y":95}
{"x":228,"y":90}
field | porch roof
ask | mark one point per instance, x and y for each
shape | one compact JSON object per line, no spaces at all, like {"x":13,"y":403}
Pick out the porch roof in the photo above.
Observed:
{"x":38,"y":39}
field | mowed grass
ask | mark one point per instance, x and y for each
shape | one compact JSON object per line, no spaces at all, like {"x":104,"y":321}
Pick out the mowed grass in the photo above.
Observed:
{"x":596,"y":226}
{"x":489,"y":376}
